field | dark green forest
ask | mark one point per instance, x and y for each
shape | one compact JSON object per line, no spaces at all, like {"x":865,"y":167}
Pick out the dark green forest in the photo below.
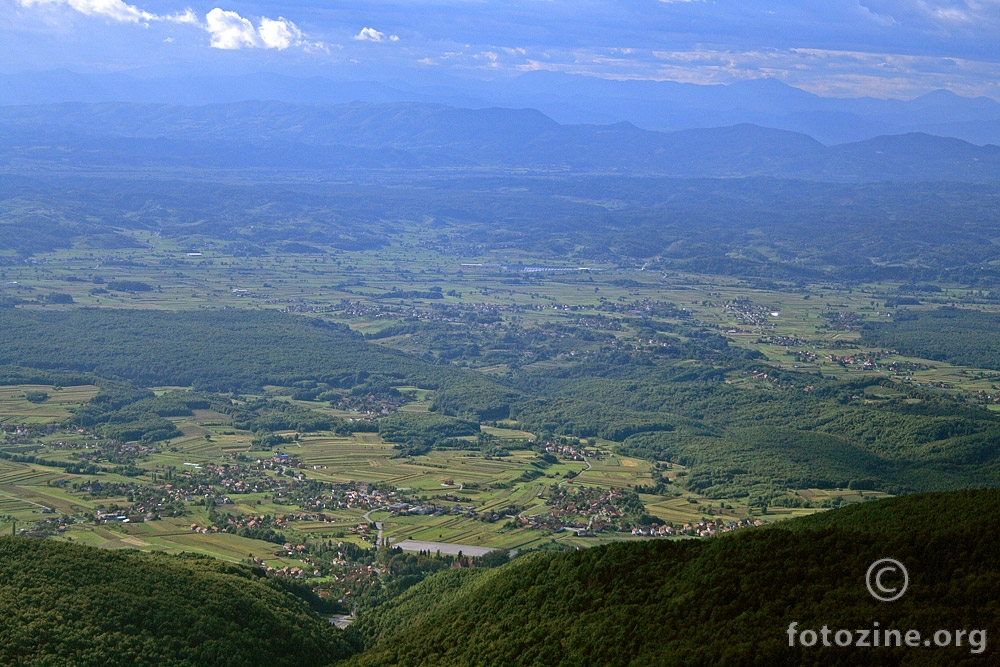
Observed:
{"x":728,"y":601}
{"x":72,"y":605}
{"x":957,"y":335}
{"x":224,"y":351}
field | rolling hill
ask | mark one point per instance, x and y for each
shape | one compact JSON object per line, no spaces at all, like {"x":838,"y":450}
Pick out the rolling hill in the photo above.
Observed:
{"x":67,"y":604}
{"x":728,"y":600}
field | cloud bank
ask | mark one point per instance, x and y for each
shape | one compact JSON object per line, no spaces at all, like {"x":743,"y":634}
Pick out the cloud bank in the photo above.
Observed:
{"x":116,"y":10}
{"x":226,"y":29}
{"x":863,"y":47}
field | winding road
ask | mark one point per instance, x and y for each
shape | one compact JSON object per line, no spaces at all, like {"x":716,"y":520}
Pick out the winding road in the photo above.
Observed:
{"x":378,"y":524}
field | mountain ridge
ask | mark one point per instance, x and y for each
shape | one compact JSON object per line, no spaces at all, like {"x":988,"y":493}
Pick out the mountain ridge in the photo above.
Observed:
{"x":568,"y":98}
{"x":431,"y":136}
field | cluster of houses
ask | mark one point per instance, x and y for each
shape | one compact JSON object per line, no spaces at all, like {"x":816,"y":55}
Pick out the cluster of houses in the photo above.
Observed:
{"x":23,"y":434}
{"x":782,"y":341}
{"x":296,"y":305}
{"x":591,"y":508}
{"x":875,"y":361}
{"x":111,"y":451}
{"x":599,"y":523}
{"x":599,"y":323}
{"x":146,"y":503}
{"x":220,"y":481}
{"x":352,"y":581}
{"x":432,"y":509}
{"x":46,"y":527}
{"x":93,"y":448}
{"x":231,"y":524}
{"x":842,"y":320}
{"x":774,"y":379}
{"x":704,"y":528}
{"x":552,"y":523}
{"x":482,"y":314}
{"x":372,"y":405}
{"x":866,"y":361}
{"x":570,"y":452}
{"x":315,"y":496}
{"x":250,"y":477}
{"x":747,"y":313}
{"x":806,"y":357}
{"x":116,"y":514}
{"x":292,"y":572}
{"x":982,"y":396}
{"x":348,"y":308}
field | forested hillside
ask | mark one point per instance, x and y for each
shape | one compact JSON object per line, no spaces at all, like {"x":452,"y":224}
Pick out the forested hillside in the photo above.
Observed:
{"x":726,"y":600}
{"x":64,"y":604}
{"x":227,"y":351}
{"x":961,"y":336}
{"x":729,"y":600}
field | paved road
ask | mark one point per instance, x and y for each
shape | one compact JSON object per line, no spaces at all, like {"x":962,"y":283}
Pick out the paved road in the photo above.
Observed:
{"x":378,"y":524}
{"x":577,"y":474}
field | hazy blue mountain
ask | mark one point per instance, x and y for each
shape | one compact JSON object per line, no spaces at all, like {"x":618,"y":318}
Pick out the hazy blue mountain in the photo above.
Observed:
{"x":419,"y":136}
{"x":570,"y":99}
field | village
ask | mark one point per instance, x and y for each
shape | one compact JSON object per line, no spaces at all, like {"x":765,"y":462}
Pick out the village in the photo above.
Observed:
{"x":315,"y":526}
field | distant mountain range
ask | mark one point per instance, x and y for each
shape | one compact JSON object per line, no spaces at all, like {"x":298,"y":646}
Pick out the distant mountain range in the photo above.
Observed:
{"x":420,"y":137}
{"x":570,"y":99}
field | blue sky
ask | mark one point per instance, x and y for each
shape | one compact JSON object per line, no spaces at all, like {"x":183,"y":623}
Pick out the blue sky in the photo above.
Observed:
{"x":881,"y":48}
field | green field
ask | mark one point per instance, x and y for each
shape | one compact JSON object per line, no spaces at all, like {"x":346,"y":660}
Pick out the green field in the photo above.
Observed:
{"x":19,"y":410}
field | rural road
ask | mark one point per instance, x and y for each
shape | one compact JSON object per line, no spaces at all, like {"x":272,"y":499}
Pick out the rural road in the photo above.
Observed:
{"x":378,"y":524}
{"x":578,"y":474}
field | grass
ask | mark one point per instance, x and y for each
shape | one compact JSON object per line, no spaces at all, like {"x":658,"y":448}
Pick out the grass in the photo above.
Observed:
{"x":19,"y":410}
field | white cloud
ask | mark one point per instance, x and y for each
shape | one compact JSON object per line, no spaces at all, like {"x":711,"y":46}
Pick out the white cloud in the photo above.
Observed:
{"x":492,"y":56}
{"x":373,"y":35}
{"x":278,"y":34}
{"x":231,"y":31}
{"x":967,"y":17}
{"x":116,"y":10}
{"x":226,"y":29}
{"x":187,"y":16}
